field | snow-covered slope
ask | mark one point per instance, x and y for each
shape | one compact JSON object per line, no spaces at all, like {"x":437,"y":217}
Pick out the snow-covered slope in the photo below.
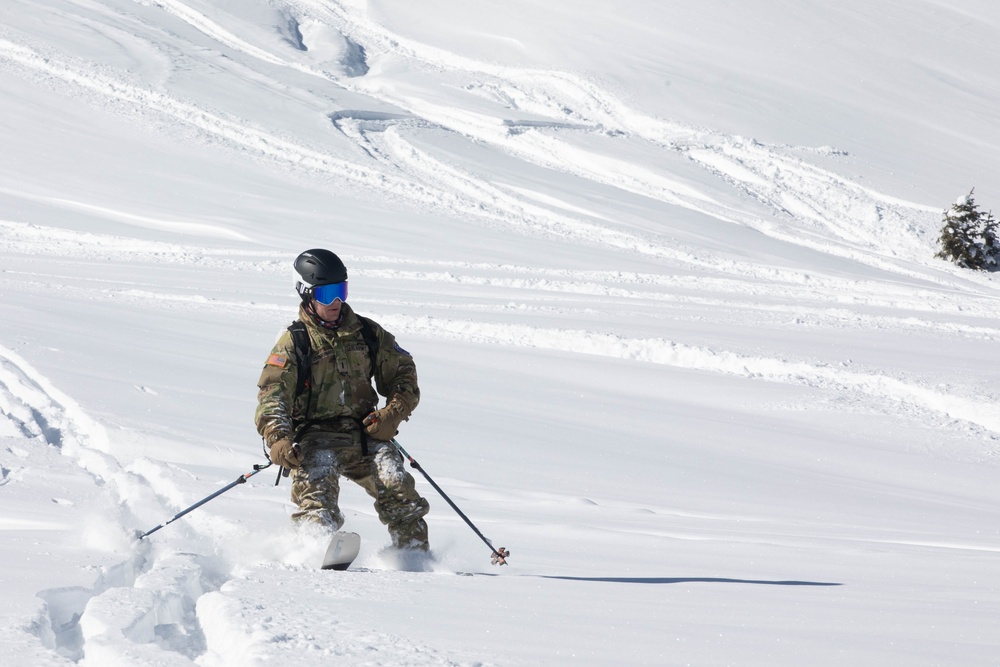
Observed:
{"x":667,"y":272}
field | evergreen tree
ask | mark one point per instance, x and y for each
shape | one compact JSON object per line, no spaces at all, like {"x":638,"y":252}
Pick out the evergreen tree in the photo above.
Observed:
{"x":969,"y":236}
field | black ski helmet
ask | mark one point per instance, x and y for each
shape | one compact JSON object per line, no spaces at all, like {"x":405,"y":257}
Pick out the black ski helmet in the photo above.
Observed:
{"x":318,"y":267}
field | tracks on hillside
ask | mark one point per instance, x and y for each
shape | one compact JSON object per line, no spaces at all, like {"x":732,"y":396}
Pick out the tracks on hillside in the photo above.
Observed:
{"x":545,"y":118}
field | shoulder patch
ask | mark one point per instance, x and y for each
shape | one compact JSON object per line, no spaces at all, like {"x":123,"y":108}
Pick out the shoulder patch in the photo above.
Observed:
{"x":277,"y":360}
{"x":396,"y":347}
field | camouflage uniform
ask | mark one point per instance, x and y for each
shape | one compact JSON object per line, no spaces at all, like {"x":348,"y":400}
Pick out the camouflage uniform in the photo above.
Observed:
{"x":325,"y":420}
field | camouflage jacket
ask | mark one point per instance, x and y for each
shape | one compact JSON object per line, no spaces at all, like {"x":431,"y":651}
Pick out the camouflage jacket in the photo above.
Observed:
{"x":341,"y":379}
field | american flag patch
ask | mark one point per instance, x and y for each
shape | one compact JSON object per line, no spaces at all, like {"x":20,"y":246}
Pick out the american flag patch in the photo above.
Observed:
{"x":277,"y":360}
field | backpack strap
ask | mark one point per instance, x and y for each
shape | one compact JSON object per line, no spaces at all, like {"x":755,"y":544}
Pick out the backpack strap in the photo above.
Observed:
{"x":303,"y":355}
{"x":371,"y":340}
{"x":303,"y":364}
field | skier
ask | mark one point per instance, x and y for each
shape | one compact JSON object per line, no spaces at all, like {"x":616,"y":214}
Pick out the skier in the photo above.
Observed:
{"x":322,"y":420}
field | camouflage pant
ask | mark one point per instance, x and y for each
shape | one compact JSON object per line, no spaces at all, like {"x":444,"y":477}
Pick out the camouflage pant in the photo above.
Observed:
{"x":329,"y":455}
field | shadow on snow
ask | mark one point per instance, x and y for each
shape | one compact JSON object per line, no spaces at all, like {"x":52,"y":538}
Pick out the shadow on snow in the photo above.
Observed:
{"x":690,"y":580}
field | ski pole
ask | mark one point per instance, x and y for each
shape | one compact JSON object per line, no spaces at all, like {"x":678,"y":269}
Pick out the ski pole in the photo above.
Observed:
{"x":499,"y":555}
{"x":240,"y":480}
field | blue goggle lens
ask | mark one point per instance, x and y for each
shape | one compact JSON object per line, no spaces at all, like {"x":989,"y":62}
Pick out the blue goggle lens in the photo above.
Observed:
{"x":327,"y":294}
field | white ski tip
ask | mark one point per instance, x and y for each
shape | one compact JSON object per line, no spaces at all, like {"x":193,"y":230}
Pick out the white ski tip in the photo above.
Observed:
{"x":343,"y":549}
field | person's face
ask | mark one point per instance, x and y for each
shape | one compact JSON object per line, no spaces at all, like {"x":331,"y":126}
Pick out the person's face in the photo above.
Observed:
{"x":328,"y":313}
{"x":335,"y":294}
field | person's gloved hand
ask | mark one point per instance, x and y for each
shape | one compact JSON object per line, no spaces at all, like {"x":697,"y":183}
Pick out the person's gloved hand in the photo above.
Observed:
{"x":383,"y":424}
{"x":286,"y":453}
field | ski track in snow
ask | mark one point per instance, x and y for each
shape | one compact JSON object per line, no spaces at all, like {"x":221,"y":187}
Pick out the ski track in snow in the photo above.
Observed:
{"x":132,"y":607}
{"x":141,"y":610}
{"x":909,"y":397}
{"x":242,"y":137}
{"x":615,"y":290}
{"x":797,"y":193}
{"x":797,"y":290}
{"x":786,"y":184}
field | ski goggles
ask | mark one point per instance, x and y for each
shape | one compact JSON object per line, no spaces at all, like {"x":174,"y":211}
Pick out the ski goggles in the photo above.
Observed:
{"x":327,"y":294}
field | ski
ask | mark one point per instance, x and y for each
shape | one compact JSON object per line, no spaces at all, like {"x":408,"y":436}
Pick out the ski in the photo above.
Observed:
{"x":343,"y":549}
